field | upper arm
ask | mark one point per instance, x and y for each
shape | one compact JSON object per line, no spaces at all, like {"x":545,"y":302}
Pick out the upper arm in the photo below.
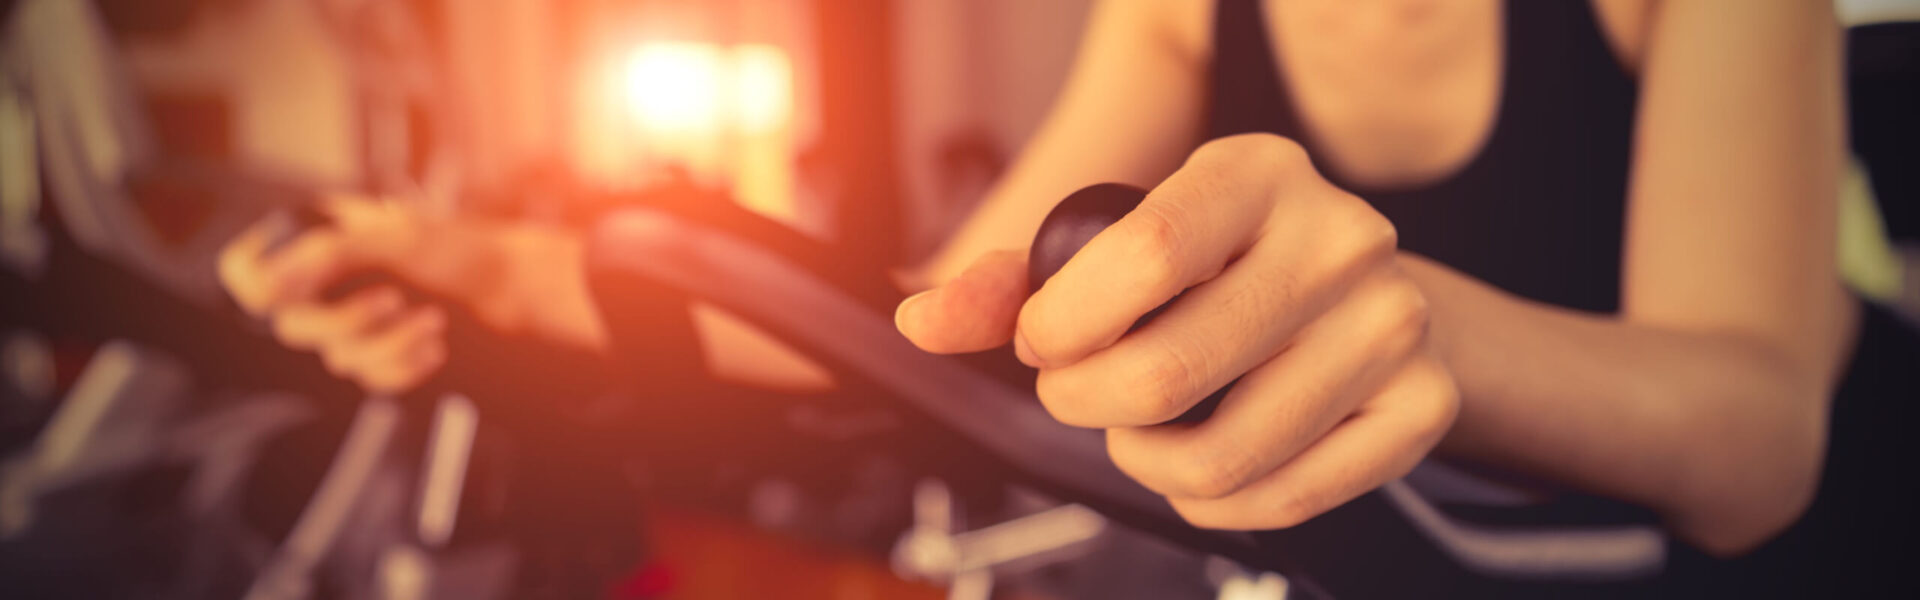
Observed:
{"x":1128,"y":112}
{"x":1733,"y":201}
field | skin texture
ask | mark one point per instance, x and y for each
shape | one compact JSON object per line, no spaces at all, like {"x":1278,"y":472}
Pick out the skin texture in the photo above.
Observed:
{"x":1704,"y":398}
{"x":1296,"y":287}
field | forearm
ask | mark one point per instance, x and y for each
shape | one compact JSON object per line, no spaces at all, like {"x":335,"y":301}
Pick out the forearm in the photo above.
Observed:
{"x":550,"y":296}
{"x":1722,"y":434}
{"x":516,"y":278}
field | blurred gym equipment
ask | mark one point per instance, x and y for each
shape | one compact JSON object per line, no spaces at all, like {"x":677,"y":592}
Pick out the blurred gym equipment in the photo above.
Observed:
{"x":151,"y":433}
{"x":191,"y":456}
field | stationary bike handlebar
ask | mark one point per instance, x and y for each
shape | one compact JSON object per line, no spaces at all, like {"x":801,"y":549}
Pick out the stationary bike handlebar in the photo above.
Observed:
{"x":1007,"y":421}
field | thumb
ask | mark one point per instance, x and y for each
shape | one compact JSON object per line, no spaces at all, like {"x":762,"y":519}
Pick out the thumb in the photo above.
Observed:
{"x":975,"y":311}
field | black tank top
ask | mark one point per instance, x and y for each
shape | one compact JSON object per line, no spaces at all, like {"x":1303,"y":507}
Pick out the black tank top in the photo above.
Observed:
{"x":1540,"y":210}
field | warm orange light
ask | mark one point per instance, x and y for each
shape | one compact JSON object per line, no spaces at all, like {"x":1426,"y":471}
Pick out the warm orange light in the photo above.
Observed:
{"x":762,"y":87}
{"x":676,"y":87}
{"x":685,"y":87}
{"x":722,"y":113}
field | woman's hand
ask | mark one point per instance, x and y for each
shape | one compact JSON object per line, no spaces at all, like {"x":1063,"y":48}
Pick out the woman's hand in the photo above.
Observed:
{"x":1290,"y":287}
{"x":373,"y":336}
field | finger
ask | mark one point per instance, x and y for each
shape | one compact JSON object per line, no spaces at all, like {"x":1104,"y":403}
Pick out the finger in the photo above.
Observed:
{"x":300,"y":269}
{"x":1282,"y":406}
{"x":1383,"y":441}
{"x":309,"y":325}
{"x":386,"y":359}
{"x":1221,"y":329}
{"x":974,"y":312}
{"x":383,"y":374}
{"x":418,"y":323}
{"x":362,"y":214}
{"x":1186,"y":231}
{"x":402,"y":356}
{"x":238,"y":266}
{"x":386,"y":230}
{"x":407,"y":370}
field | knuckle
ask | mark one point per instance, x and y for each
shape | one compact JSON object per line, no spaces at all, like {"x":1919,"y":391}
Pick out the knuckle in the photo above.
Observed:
{"x":1273,"y":150}
{"x":1405,"y":318}
{"x":1443,"y":400}
{"x":1209,"y":473}
{"x":1271,"y":292}
{"x":1373,"y":235}
{"x":1380,"y":232}
{"x":1360,"y":238}
{"x":1167,"y":386}
{"x":1255,"y":150}
{"x":1219,"y":149}
{"x":1153,"y":241}
{"x":1413,"y":303}
{"x":1428,"y":401}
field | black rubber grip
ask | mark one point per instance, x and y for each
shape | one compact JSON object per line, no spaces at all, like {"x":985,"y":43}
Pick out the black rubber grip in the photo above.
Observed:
{"x":1073,"y":223}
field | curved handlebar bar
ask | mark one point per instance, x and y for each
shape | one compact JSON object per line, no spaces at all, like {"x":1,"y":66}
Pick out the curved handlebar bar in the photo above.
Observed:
{"x":797,"y":306}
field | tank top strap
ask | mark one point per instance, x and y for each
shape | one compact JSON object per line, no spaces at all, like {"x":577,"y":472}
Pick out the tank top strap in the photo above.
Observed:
{"x":1247,"y":94}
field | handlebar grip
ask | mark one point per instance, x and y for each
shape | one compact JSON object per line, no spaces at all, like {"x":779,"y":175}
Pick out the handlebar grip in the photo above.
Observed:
{"x":1074,"y":222}
{"x":288,"y":223}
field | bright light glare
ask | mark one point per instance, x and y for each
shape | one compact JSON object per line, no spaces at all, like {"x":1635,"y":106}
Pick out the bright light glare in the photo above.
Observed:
{"x":675,"y":87}
{"x":762,"y":86}
{"x":685,"y":87}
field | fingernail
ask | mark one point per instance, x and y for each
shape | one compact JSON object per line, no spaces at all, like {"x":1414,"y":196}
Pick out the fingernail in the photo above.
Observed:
{"x":1024,"y":351}
{"x":900,"y":312}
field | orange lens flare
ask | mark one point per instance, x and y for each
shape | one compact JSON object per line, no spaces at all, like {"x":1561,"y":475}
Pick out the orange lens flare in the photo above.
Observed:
{"x":696,"y":88}
{"x":724,"y":113}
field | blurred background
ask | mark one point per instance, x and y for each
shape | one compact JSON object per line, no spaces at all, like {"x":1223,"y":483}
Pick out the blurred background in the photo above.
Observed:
{"x":154,"y":444}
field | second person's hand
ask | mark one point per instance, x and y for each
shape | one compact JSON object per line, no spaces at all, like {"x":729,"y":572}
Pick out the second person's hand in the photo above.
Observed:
{"x":375,"y":336}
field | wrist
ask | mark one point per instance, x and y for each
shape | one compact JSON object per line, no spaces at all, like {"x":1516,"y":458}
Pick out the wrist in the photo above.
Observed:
{"x":544,"y":288}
